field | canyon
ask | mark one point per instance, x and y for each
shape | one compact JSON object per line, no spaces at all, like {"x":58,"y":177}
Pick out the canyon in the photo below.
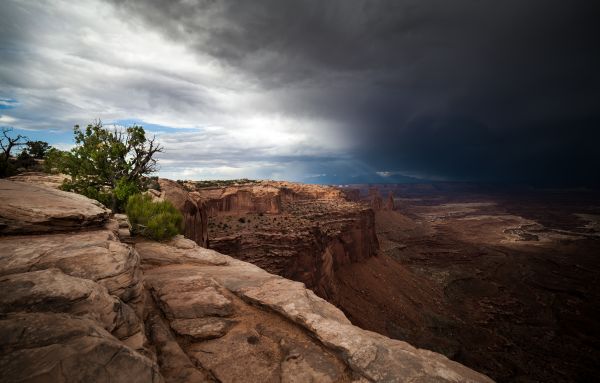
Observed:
{"x":301,"y":232}
{"x":83,"y":300}
{"x":280,"y":281}
{"x":499,"y":280}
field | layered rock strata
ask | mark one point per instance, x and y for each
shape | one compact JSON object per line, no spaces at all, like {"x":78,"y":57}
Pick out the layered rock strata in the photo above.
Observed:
{"x":83,"y":306}
{"x":301,"y":232}
{"x":71,"y":308}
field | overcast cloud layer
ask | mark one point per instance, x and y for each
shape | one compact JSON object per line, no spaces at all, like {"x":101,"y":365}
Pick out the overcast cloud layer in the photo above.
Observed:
{"x":333,"y":92}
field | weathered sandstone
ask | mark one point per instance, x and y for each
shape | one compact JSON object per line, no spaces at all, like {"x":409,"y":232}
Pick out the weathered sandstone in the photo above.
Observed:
{"x":52,"y":347}
{"x":96,"y":255}
{"x":52,"y":291}
{"x":262,"y":348}
{"x":44,"y":179}
{"x":302,"y":232}
{"x":193,"y":210}
{"x":29,"y":208}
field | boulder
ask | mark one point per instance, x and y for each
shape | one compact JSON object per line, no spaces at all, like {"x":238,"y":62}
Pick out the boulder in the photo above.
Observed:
{"x":29,"y":208}
{"x":51,"y":290}
{"x":178,"y":251}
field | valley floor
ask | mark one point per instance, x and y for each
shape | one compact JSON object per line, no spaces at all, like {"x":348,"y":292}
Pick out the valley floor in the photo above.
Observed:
{"x":507,"y":285}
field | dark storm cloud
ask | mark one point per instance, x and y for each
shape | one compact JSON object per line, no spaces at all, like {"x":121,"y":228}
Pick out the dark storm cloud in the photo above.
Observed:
{"x":335,"y":91}
{"x":460,"y":90}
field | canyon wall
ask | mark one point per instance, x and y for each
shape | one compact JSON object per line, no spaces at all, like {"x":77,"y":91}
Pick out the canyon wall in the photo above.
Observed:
{"x":302,"y":232}
{"x":82,"y":301}
{"x":194,"y":211}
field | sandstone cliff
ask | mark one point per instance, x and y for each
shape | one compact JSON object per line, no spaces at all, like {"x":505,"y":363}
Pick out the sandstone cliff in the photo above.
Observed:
{"x":82,"y":306}
{"x":389,"y":205}
{"x":302,"y":232}
{"x":193,"y":210}
{"x":375,"y":199}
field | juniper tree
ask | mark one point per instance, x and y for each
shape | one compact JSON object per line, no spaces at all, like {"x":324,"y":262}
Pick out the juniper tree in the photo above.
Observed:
{"x":110,"y":164}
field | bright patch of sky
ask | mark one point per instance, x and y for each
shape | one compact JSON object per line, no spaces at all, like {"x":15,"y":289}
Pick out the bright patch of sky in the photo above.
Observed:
{"x":67,"y":63}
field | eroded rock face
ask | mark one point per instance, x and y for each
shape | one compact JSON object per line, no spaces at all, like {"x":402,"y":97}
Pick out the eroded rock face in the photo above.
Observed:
{"x":302,"y":232}
{"x":268,"y":197}
{"x":96,"y":255}
{"x":375,"y":199}
{"x":226,"y":330}
{"x":52,"y":291}
{"x":71,"y":307}
{"x":193,"y":210}
{"x":389,"y":205}
{"x":51,"y":347}
{"x":29,"y":208}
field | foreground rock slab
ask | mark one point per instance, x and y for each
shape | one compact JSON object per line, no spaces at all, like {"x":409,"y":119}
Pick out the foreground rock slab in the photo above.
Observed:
{"x":48,"y":347}
{"x":96,"y":255}
{"x":29,"y":208}
{"x":270,"y":318}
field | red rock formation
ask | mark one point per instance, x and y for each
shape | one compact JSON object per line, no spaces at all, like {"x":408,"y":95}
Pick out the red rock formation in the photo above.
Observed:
{"x":375,"y":199}
{"x":351,"y":194}
{"x":240,"y":200}
{"x":302,"y":232}
{"x":390,"y":201}
{"x":263,"y":197}
{"x":193,"y":210}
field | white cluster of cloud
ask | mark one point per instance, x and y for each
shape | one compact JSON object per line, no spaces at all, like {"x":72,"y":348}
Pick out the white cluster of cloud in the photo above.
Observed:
{"x":68,"y":63}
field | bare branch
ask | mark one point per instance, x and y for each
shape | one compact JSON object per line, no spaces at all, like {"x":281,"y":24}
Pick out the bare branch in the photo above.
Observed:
{"x":7,"y":143}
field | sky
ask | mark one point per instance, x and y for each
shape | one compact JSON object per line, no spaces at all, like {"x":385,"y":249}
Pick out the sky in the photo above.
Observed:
{"x":338,"y":91}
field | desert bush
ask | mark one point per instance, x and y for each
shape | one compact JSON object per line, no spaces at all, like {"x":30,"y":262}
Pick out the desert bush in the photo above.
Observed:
{"x":38,"y":149}
{"x":156,"y":220}
{"x":56,"y":161}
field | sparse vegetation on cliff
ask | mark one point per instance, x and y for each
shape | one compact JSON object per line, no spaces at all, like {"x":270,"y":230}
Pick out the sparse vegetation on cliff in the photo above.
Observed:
{"x":156,"y":220}
{"x":31,"y":157}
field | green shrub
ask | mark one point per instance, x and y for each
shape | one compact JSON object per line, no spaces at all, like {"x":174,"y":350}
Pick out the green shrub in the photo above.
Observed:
{"x":156,"y":220}
{"x":122,"y":191}
{"x":56,"y":161}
